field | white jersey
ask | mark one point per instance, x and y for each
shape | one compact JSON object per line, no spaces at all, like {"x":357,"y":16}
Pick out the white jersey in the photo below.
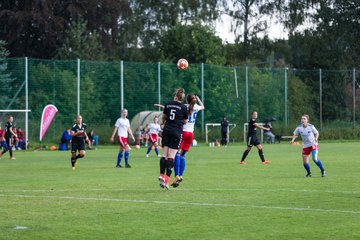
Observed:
{"x":189,"y":126}
{"x":154,"y":128}
{"x":307,"y":134}
{"x":123,"y":125}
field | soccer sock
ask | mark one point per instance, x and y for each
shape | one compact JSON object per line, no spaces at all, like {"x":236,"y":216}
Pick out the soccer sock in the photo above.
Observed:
{"x":149,"y":150}
{"x":307,"y":167}
{"x":261,"y":154}
{"x":246,"y":152}
{"x":162,"y":165}
{"x":120,"y":155}
{"x":169,"y":166}
{"x":182,"y":165}
{"x":72,"y":161}
{"x":319,"y":164}
{"x":10,"y":151}
{"x":177,"y":164}
{"x":79,"y":156}
{"x":156,"y":151}
{"x":126,"y":157}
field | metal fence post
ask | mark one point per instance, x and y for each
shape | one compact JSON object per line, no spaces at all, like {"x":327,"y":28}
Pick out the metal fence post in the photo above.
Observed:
{"x":354,"y":98}
{"x":122,"y":84}
{"x":236,"y":84}
{"x":78,"y":86}
{"x":159,"y":86}
{"x":26,"y":102}
{"x":320,"y":93}
{"x":202,"y":99}
{"x":286,"y":98}
{"x":247,"y":91}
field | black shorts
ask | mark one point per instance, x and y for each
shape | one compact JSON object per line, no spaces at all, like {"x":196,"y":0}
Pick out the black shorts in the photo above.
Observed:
{"x":9,"y":142}
{"x":77,"y":146}
{"x":171,"y":139}
{"x":252,"y":141}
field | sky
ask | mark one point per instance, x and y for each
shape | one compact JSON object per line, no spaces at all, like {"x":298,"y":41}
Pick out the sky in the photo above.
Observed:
{"x":222,"y":28}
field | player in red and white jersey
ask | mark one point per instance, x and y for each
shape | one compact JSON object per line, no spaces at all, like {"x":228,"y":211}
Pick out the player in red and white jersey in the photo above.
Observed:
{"x":309,"y":135}
{"x":187,"y":138}
{"x":153,"y":131}
{"x":122,"y":127}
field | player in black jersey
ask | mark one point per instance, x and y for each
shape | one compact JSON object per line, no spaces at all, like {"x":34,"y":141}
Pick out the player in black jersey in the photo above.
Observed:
{"x":78,"y":134}
{"x":253,"y":140}
{"x":9,"y":134}
{"x":175,"y":116}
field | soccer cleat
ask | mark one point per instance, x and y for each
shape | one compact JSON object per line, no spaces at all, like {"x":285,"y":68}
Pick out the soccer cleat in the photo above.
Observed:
{"x":159,"y":155}
{"x":266,"y":162}
{"x":323,"y":173}
{"x":242,"y":162}
{"x":73,"y":168}
{"x":127,"y":166}
{"x":147,"y":155}
{"x":162,"y":182}
{"x":176,"y":182}
{"x":180,"y":179}
{"x":308,"y":175}
{"x":118,"y":166}
{"x":167,"y":187}
{"x":13,"y":158}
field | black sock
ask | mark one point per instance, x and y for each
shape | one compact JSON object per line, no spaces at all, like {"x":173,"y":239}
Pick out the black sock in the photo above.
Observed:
{"x":73,"y":160}
{"x":10,"y":151}
{"x":169,"y":166}
{"x":162,"y":165}
{"x":261,"y":154}
{"x":79,"y":156}
{"x":246,"y":152}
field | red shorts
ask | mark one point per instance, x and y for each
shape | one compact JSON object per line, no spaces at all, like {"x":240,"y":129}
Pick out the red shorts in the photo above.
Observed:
{"x":122,"y":141}
{"x":153,"y":137}
{"x":308,"y":150}
{"x":186,"y":141}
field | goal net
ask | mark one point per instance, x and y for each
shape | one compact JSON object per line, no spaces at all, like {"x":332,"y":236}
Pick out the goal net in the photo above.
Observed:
{"x":213,"y":131}
{"x":21,"y":120}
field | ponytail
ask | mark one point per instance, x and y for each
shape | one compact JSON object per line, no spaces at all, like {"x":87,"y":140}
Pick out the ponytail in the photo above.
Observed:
{"x":191,"y":100}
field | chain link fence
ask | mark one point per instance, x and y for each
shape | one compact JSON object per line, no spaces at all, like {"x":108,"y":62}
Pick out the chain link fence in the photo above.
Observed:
{"x":99,"y":90}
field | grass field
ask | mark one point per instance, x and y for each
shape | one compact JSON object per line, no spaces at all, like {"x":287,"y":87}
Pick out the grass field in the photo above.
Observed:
{"x":42,"y":198}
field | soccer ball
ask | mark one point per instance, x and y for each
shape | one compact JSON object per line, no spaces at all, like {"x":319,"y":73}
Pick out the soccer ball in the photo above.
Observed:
{"x":182,"y":64}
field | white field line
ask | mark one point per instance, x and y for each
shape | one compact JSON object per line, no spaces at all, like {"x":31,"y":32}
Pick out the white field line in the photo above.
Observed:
{"x":186,"y":189}
{"x":202,"y":204}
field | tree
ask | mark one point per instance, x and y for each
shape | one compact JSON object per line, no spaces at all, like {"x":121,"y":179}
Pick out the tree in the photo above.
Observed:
{"x":197,"y":43}
{"x":80,"y":43}
{"x":5,"y":77}
{"x":248,"y":14}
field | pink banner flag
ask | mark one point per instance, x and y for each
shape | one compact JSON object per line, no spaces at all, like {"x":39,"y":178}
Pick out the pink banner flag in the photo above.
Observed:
{"x":48,"y":115}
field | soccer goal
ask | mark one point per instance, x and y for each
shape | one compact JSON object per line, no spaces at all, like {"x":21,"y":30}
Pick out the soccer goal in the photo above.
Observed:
{"x":21,"y":120}
{"x":210,"y":126}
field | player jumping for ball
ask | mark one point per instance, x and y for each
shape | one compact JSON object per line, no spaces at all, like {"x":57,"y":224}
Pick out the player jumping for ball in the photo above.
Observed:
{"x":310,"y":136}
{"x":175,"y":116}
{"x":188,"y":136}
{"x":253,"y":140}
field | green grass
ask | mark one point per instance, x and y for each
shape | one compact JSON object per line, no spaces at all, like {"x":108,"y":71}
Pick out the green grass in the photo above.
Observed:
{"x":218,"y":199}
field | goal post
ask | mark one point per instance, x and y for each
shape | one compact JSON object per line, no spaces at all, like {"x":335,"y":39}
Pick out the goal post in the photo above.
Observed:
{"x":208,"y":127}
{"x":16,"y":118}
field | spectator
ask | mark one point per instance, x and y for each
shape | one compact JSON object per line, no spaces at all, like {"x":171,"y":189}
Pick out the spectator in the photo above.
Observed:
{"x":21,"y":144}
{"x":269,"y":136}
{"x":224,"y":131}
{"x":65,"y":140}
